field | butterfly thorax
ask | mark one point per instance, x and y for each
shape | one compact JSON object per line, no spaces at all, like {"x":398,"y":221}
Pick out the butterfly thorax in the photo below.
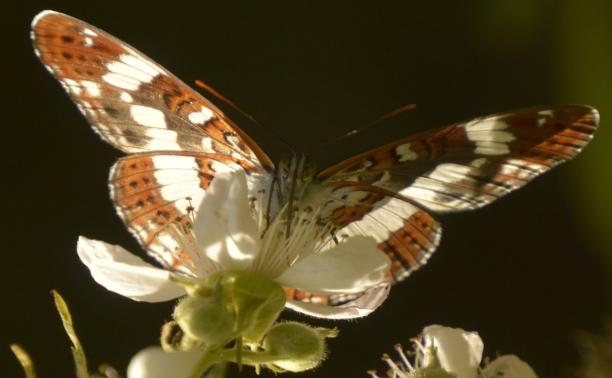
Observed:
{"x":288,"y":186}
{"x":291,"y":219}
{"x":293,"y":175}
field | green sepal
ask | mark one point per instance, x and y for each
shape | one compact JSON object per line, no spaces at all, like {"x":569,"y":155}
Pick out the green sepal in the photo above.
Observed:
{"x":227,"y":306}
{"x":431,"y":372}
{"x":257,"y":300}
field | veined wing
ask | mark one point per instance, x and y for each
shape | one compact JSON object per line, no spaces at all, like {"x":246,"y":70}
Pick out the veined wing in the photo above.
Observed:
{"x":177,"y":138}
{"x":158,"y":193}
{"x":131,"y":101}
{"x":386,"y":192}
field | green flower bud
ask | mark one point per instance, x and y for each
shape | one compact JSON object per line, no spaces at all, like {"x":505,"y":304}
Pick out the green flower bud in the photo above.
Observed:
{"x":296,"y":347}
{"x":206,"y":319}
{"x":174,"y":339}
{"x":257,"y":300}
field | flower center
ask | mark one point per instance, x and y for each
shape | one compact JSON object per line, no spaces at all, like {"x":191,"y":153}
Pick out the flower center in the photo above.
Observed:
{"x":282,"y":246}
{"x":278,"y":249}
{"x":408,"y":361}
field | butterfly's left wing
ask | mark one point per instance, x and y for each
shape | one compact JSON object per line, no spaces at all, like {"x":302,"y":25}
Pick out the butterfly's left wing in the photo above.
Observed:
{"x":131,"y":101}
{"x":158,"y":193}
{"x":176,"y":139}
{"x":387,"y":192}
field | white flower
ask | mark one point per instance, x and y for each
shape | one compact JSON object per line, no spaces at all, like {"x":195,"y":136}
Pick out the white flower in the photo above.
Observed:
{"x":225,"y":236}
{"x":458,"y":351}
{"x":455,"y":351}
{"x":508,"y":366}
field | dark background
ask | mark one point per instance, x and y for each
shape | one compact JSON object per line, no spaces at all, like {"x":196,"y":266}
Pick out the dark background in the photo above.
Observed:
{"x":526,"y":272}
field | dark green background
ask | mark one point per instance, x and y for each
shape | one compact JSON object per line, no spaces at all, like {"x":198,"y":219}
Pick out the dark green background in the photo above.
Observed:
{"x":526,"y":272}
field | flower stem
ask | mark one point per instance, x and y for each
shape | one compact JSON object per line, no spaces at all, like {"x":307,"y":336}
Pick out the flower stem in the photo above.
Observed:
{"x":248,"y":357}
{"x":210,"y":357}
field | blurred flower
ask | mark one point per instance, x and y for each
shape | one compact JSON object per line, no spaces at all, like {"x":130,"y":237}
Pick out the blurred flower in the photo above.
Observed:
{"x":225,"y":237}
{"x":595,"y":354}
{"x":452,"y":352}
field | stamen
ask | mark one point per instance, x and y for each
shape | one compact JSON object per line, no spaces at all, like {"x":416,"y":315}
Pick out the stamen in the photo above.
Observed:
{"x":420,"y":351}
{"x":404,"y":358}
{"x":396,"y":370}
{"x":402,"y":368}
{"x":190,"y":211}
{"x":280,"y":250}
{"x":421,"y":345}
{"x":189,"y":253}
{"x":268,"y":245}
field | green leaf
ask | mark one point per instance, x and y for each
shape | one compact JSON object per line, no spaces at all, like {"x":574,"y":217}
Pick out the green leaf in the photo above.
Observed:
{"x":78,"y":354}
{"x":25,"y":360}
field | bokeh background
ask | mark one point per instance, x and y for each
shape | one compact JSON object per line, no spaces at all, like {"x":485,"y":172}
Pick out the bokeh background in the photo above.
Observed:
{"x":527,"y":272}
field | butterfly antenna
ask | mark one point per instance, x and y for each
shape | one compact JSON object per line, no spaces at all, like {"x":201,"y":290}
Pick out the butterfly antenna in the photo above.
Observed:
{"x":229,"y":102}
{"x":384,"y":117}
{"x":221,"y":97}
{"x":391,"y":114}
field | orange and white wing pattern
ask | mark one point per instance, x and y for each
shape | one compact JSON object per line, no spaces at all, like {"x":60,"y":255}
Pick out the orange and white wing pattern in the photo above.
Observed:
{"x":156,"y":192}
{"x":177,"y":138}
{"x":389,"y":191}
{"x":178,"y":141}
{"x":131,"y":101}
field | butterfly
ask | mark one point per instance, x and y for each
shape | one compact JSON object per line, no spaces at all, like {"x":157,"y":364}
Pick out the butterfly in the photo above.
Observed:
{"x":176,"y":141}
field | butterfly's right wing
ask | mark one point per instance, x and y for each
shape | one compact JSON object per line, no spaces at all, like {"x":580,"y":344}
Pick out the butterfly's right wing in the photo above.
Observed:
{"x":389,"y":191}
{"x":406,"y":232}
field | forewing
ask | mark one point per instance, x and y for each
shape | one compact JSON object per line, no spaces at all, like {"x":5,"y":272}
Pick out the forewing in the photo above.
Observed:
{"x":386,"y":192}
{"x":132,"y":102}
{"x":468,"y":165}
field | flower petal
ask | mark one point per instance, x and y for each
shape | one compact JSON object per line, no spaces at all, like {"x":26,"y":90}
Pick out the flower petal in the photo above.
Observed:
{"x":357,"y":308}
{"x":224,"y":226}
{"x":508,"y":366}
{"x":124,"y":273}
{"x":459,"y":351}
{"x":154,"y":362}
{"x":352,"y":266}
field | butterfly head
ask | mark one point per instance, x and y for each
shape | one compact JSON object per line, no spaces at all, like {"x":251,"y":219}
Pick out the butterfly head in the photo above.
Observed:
{"x":290,"y":179}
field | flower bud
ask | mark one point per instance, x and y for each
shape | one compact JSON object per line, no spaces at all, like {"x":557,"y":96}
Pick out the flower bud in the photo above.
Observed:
{"x":206,"y":319}
{"x":257,"y":299}
{"x":296,"y":346}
